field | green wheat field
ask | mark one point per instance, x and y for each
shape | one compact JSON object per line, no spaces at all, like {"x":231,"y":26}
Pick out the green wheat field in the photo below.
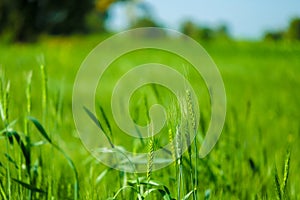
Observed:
{"x":256,"y":157}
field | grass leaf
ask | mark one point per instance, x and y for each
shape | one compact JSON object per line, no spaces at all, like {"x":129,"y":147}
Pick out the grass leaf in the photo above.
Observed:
{"x":187,"y":196}
{"x":40,"y":128}
{"x":96,"y":121}
{"x":10,"y":159}
{"x":106,"y":120}
{"x":28,"y":186}
{"x":277,"y":184}
{"x":70,"y":162}
{"x":23,"y":147}
{"x":101,"y":176}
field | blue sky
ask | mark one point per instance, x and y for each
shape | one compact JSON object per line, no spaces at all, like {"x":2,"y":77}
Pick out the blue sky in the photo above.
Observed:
{"x":245,"y":19}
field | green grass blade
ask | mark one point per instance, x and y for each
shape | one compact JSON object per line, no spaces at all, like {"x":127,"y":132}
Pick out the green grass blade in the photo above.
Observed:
{"x":187,"y":196}
{"x":2,"y":192}
{"x":70,"y":162}
{"x":28,"y":186}
{"x":25,"y":151}
{"x":163,"y":193}
{"x":277,"y":184}
{"x":106,"y":120}
{"x":40,"y":128}
{"x":96,"y":121}
{"x":124,"y":188}
{"x":101,"y":176}
{"x":11,"y":160}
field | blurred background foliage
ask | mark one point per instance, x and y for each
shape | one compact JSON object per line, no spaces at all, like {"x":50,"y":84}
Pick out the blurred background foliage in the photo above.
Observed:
{"x":26,"y":20}
{"x":292,"y":33}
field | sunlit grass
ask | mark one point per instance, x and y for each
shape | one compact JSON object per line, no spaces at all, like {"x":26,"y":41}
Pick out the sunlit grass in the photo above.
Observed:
{"x":262,"y":84}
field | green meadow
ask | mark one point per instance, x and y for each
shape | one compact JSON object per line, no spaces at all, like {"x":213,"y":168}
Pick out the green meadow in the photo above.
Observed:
{"x":256,"y":157}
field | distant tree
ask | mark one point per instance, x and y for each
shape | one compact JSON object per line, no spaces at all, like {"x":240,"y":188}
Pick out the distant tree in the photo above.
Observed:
{"x":222,"y":32}
{"x":68,"y":16}
{"x":293,"y":32}
{"x":203,"y":32}
{"x":274,"y":36}
{"x":20,"y":18}
{"x":206,"y":33}
{"x":191,"y":29}
{"x":145,"y":22}
{"x":26,"y":19}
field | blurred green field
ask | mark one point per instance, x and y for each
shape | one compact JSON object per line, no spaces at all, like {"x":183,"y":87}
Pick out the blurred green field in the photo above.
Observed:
{"x":262,"y":81}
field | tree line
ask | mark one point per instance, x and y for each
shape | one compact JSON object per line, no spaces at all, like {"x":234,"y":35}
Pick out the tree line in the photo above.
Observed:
{"x":25,"y":20}
{"x":292,"y":33}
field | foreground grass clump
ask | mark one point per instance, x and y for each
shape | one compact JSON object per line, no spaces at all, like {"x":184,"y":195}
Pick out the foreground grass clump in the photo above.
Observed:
{"x":262,"y":84}
{"x":20,"y":172}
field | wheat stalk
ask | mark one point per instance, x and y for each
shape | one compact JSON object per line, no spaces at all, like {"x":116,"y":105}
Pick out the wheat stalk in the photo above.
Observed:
{"x":171,"y":141}
{"x":285,"y":174}
{"x":178,"y":145}
{"x":150,"y":153}
{"x":28,"y":102}
{"x":179,"y":161}
{"x":44,"y":91}
{"x":150,"y":158}
{"x":191,"y":111}
{"x":28,"y":92}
